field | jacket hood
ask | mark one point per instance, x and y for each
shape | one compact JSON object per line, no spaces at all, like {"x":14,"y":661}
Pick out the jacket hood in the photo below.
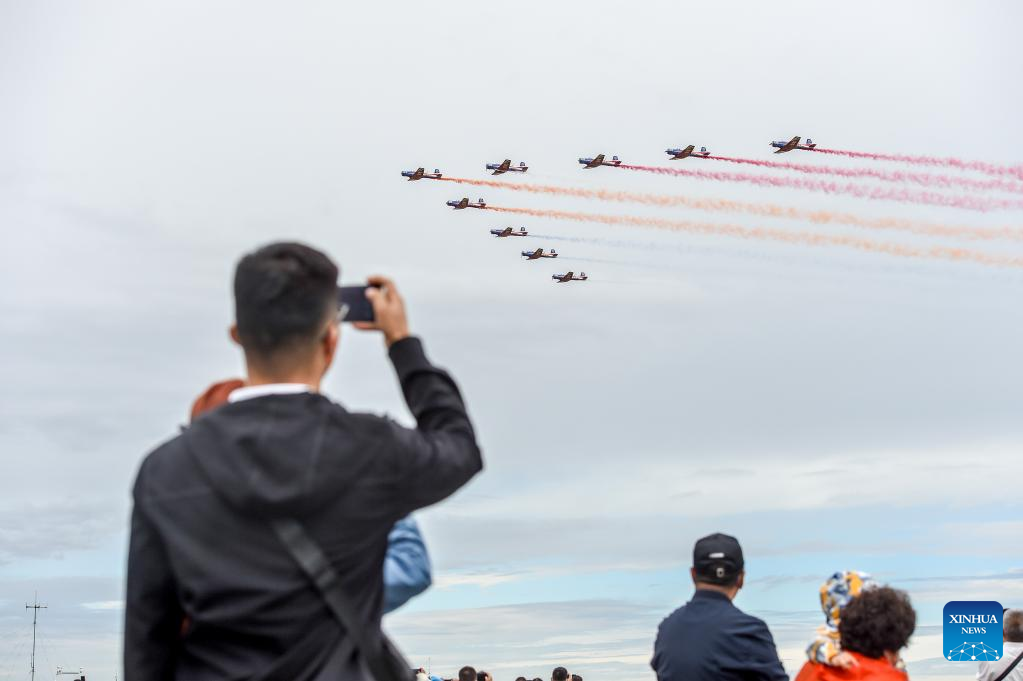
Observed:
{"x":278,"y":455}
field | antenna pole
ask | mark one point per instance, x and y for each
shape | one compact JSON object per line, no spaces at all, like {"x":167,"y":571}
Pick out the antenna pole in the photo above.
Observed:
{"x":35,"y":616}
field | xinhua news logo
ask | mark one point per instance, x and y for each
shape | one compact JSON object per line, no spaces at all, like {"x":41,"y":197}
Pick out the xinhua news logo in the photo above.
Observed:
{"x":972,"y":631}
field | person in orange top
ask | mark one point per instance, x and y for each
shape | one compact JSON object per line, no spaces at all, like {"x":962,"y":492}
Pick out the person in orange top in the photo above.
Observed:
{"x":874,"y":627}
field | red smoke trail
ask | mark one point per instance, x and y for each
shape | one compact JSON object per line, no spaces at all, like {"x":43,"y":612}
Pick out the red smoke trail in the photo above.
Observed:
{"x":768,"y":234}
{"x":822,"y":217}
{"x":859,"y":191}
{"x":922,"y":179}
{"x":959,"y":164}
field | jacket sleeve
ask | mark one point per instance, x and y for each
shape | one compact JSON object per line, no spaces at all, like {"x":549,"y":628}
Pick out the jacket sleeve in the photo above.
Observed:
{"x":658,"y":658}
{"x":407,"y":565}
{"x":439,"y":455}
{"x":760,"y":655}
{"x":152,"y":616}
{"x":823,"y":648}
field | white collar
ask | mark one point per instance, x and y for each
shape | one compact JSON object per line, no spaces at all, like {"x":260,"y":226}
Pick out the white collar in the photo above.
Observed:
{"x":251,"y":391}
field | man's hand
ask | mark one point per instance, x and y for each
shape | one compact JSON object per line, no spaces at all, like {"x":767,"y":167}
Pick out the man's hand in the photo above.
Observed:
{"x":388,"y":309}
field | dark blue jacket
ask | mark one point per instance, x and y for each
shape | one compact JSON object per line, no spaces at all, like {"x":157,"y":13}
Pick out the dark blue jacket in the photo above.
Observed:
{"x":709,"y":639}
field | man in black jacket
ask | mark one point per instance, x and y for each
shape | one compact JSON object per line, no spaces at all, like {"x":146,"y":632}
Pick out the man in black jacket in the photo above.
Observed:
{"x":211,"y":591}
{"x":708,"y":638}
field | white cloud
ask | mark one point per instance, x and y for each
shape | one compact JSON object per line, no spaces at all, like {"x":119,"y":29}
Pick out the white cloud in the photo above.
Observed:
{"x":447,"y":579}
{"x":839,"y":477}
{"x":104,"y":605}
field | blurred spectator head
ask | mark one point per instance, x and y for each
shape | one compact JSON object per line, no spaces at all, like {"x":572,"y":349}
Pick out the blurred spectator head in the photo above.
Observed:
{"x":877,"y":623}
{"x":467,"y":673}
{"x":1012,"y":625}
{"x":559,"y":674}
{"x":576,"y":677}
{"x":484,"y":676}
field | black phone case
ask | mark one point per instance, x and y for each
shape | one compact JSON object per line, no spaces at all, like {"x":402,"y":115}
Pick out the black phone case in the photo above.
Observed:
{"x":359,"y":307}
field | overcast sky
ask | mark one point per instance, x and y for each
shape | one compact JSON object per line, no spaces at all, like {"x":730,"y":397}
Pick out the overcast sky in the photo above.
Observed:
{"x":833,"y":409}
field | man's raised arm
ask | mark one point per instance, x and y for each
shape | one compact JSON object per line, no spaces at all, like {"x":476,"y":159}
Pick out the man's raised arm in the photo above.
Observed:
{"x":440,"y":454}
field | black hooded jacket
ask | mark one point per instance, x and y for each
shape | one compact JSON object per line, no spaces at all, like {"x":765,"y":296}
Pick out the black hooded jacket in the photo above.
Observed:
{"x":211,"y":591}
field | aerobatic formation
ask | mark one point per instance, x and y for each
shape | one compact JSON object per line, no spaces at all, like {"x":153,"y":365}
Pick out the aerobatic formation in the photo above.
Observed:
{"x":1004,"y":178}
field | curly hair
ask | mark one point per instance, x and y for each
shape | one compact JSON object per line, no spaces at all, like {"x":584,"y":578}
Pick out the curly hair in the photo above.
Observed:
{"x":878,"y":620}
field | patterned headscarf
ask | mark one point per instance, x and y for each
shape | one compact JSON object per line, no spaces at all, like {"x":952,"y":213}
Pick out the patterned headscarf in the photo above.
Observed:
{"x":841,"y":588}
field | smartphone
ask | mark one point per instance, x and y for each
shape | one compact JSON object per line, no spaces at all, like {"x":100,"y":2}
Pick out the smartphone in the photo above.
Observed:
{"x":353,"y":300}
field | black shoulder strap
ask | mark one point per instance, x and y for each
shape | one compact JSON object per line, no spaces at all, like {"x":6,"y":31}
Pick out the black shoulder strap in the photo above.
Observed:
{"x":382,"y":659}
{"x":1008,"y":670}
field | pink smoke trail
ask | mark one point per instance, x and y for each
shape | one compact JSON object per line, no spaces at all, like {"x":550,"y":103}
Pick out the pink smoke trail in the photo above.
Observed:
{"x":769,"y":234}
{"x":859,"y":191}
{"x":922,"y":179}
{"x":822,"y":217}
{"x":949,"y":162}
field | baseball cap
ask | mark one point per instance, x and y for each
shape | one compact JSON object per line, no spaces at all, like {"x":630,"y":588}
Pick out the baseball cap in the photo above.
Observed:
{"x":717,"y":558}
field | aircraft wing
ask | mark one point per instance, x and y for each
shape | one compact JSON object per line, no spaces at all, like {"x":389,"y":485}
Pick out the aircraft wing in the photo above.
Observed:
{"x":790,"y":145}
{"x":597,"y":160}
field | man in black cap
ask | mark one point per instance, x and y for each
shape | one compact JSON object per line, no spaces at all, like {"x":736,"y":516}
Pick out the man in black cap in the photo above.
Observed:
{"x":708,"y":638}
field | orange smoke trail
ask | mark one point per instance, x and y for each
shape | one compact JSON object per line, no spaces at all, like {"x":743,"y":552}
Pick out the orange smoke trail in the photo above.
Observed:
{"x":822,"y":217}
{"x":768,"y":234}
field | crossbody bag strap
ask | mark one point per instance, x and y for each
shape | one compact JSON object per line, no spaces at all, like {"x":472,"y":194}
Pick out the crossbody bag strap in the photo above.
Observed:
{"x":382,"y":659}
{"x":1008,"y":670}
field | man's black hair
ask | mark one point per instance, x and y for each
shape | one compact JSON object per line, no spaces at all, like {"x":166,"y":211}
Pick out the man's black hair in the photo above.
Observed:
{"x":481,"y":675}
{"x":876,"y":621}
{"x":520,"y":678}
{"x":467,"y":673}
{"x":576,"y":677}
{"x":283,"y":292}
{"x":559,"y":674}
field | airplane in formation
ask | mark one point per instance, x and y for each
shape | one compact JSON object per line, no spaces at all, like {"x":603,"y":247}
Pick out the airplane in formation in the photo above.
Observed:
{"x":508,"y":231}
{"x":598,"y":160}
{"x":538,"y":253}
{"x":687,"y":152}
{"x":569,"y":276}
{"x":419,"y":174}
{"x":793,"y":143}
{"x":465,"y":203}
{"x":506,"y":166}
